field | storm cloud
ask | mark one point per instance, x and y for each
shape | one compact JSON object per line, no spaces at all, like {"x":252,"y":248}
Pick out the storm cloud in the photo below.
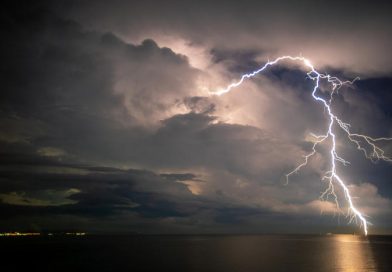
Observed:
{"x":106,"y":122}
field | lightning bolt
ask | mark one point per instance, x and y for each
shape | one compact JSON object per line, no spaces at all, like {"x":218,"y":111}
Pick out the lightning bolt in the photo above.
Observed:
{"x":362,"y":142}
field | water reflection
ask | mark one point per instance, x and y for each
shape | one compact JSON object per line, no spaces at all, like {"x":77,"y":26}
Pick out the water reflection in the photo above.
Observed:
{"x":343,"y":253}
{"x":221,"y":253}
{"x":353,"y":253}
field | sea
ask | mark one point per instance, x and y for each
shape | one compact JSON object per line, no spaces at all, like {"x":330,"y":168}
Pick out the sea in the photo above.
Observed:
{"x":220,"y":253}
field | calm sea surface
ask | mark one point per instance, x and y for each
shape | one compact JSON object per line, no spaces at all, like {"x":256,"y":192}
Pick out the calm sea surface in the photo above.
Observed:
{"x":197,"y":253}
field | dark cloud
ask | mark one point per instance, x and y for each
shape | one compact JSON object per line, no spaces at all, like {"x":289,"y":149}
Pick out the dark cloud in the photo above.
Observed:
{"x":107,"y":123}
{"x":236,"y":60}
{"x":92,"y":192}
{"x":350,"y":35}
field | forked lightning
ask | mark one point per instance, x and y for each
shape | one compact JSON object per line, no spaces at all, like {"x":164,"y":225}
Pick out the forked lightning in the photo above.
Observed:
{"x":366,"y":144}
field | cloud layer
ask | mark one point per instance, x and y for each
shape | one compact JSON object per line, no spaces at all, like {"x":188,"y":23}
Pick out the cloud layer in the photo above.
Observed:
{"x":105,"y":127}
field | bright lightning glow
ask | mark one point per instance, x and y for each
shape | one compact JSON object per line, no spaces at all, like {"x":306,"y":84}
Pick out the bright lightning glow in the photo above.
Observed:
{"x":358,"y":139}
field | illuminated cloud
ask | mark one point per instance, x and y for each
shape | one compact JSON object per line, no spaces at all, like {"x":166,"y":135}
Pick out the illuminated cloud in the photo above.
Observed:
{"x":118,"y":107}
{"x":43,"y":198}
{"x":51,"y":151}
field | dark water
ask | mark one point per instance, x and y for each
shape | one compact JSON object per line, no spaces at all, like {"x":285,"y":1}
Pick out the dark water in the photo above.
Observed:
{"x":197,"y":253}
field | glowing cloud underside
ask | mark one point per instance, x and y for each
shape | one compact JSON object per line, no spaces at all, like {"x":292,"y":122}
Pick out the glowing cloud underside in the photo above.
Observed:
{"x":363,"y":143}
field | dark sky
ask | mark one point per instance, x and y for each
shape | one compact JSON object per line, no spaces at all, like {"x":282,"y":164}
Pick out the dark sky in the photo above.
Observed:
{"x":107,"y":125}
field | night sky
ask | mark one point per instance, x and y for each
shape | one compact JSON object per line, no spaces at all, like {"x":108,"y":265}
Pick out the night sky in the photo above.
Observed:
{"x":107,"y":125}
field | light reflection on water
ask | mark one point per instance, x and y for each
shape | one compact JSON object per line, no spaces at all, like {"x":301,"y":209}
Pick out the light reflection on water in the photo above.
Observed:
{"x":342,"y":253}
{"x":353,"y":253}
{"x":198,"y":253}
